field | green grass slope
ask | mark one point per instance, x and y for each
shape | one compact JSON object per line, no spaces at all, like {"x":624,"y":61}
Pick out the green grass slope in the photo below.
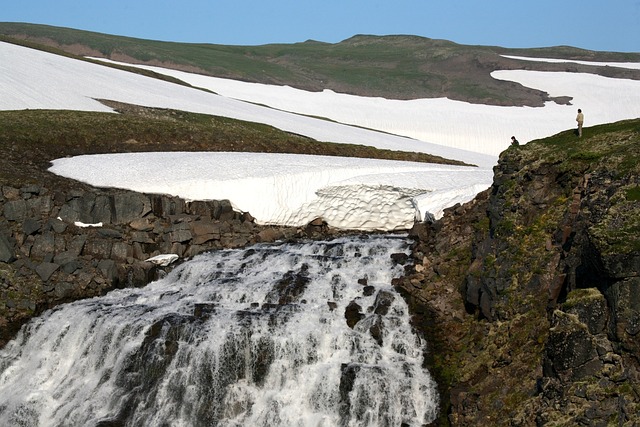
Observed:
{"x":30,"y":139}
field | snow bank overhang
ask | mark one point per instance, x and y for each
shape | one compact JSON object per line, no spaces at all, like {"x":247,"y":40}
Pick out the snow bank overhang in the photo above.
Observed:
{"x":288,"y":189}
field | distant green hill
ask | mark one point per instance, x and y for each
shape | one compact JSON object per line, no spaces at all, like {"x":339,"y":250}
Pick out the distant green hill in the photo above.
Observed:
{"x":396,"y":67}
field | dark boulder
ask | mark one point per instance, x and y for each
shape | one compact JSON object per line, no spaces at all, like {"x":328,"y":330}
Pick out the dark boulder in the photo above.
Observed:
{"x":290,"y":287}
{"x":57,"y":225}
{"x":624,"y":298}
{"x":43,"y":245}
{"x":377,"y":329}
{"x":129,"y":206}
{"x":570,"y":346}
{"x":68,"y":261}
{"x":7,"y":251}
{"x":15,"y":210}
{"x":46,"y":269}
{"x":353,"y":314}
{"x":383,"y":302}
{"x":30,"y":226}
{"x":348,"y":374}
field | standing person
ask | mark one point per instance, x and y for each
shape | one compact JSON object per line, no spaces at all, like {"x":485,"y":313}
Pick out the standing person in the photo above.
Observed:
{"x":580,"y":120}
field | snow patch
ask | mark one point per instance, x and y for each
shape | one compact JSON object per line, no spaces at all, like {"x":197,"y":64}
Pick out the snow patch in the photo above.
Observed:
{"x":163,"y":260}
{"x":289,"y":189}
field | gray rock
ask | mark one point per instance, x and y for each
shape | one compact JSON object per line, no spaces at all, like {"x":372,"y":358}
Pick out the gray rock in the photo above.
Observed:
{"x":110,"y":233}
{"x":164,"y":206}
{"x":205,"y":231}
{"x":227,"y":213}
{"x":180,"y":236}
{"x":620,"y":266}
{"x":29,"y":190}
{"x":15,"y":210}
{"x":129,"y":206}
{"x":72,"y":267}
{"x":141,"y":237}
{"x":141,"y":224}
{"x":178,"y":249}
{"x":182,"y":220}
{"x":65,"y":257}
{"x":68,"y":214}
{"x":43,"y":245}
{"x":200,"y":208}
{"x":97,"y":248}
{"x":270,"y":235}
{"x":79,"y":209}
{"x":138,"y":251}
{"x":68,"y":261}
{"x":57,"y":225}
{"x":39,"y":206}
{"x":624,"y":298}
{"x":46,"y":269}
{"x":30,"y":226}
{"x":7,"y":252}
{"x":108,"y":269}
{"x":101,"y":211}
{"x":180,"y":223}
{"x":77,"y":244}
{"x":383,"y":302}
{"x":121,"y":251}
{"x":194,"y":250}
{"x":64,"y":290}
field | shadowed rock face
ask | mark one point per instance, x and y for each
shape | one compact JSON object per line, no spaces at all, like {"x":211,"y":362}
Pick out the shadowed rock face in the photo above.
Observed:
{"x":532,"y":289}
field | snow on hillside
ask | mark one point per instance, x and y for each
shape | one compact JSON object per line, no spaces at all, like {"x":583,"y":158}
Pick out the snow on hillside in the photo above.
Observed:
{"x":630,"y":65}
{"x":39,"y":80}
{"x":293,"y":189}
{"x":481,"y":128}
{"x":290,"y":189}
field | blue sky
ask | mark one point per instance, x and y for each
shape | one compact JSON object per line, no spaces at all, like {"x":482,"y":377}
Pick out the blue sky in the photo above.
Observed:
{"x":612,"y":25}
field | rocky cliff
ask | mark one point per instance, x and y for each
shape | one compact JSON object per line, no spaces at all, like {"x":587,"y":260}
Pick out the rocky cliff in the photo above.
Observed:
{"x":64,"y":243}
{"x":530,"y":293}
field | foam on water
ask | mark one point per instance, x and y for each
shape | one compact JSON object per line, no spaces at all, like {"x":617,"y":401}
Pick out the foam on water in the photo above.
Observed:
{"x":254,"y":337}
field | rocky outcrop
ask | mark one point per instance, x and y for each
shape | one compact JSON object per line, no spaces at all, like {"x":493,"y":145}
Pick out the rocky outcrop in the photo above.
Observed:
{"x":530,"y":292}
{"x":62,"y":244}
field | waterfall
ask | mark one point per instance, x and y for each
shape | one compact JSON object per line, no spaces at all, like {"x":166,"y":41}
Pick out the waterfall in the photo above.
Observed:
{"x":292,"y":334}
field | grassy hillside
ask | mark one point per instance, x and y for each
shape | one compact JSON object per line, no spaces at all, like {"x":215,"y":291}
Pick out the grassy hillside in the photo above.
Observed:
{"x":398,"y":67}
{"x":31,"y":138}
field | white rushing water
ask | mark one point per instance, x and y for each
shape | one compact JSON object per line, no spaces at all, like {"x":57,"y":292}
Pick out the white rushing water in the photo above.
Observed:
{"x":254,"y":337}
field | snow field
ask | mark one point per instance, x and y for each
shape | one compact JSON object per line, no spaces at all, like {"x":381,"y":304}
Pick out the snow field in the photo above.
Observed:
{"x":293,"y":189}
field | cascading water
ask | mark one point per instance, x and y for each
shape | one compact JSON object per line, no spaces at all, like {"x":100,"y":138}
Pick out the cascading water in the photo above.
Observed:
{"x":309,"y":334}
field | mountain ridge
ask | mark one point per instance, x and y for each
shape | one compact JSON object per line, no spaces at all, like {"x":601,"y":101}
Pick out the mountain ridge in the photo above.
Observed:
{"x":394,"y":67}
